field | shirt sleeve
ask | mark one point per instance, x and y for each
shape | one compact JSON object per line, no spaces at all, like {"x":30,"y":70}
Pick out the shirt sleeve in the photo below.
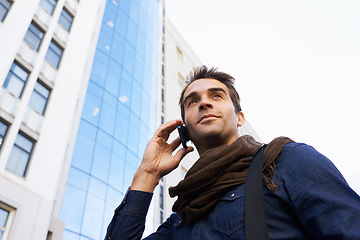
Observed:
{"x":320,"y":197}
{"x":128,"y":222}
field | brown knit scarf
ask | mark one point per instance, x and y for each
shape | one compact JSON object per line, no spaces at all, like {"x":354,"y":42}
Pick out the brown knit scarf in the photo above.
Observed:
{"x":217,"y":171}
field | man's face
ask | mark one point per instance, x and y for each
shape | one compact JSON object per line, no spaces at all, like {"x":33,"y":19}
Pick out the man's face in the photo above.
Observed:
{"x":210,"y":114}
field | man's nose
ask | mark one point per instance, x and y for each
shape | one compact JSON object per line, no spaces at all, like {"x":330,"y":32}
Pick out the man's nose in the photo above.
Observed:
{"x":205,"y":104}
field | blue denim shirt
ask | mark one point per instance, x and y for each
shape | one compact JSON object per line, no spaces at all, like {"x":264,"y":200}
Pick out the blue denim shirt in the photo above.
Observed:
{"x":312,"y":201}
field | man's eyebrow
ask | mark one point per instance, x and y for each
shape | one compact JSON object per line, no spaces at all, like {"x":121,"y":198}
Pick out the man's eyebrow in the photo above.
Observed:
{"x":212,"y":90}
{"x":191,"y":95}
{"x":217,"y":90}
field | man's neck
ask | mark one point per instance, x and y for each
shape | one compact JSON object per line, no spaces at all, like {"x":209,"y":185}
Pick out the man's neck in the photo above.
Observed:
{"x":210,"y":144}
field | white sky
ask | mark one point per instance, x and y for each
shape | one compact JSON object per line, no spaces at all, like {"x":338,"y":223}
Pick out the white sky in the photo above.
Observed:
{"x":296,"y":65}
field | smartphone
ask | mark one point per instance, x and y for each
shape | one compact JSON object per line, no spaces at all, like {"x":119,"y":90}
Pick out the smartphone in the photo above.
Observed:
{"x":183,"y":135}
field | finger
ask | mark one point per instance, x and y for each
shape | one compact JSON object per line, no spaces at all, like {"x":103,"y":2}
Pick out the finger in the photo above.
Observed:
{"x":175,"y":143}
{"x":165,"y":129}
{"x":182,"y":153}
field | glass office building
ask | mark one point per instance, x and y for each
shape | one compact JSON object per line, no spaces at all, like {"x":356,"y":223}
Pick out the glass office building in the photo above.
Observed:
{"x":118,"y":117}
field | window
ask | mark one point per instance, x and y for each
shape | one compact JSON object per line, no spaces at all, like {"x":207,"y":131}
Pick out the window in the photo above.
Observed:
{"x":20,"y":155}
{"x":179,"y":54}
{"x":4,"y":8}
{"x":39,"y":98}
{"x":161,"y":197}
{"x":49,"y":235}
{"x":183,"y":172}
{"x":161,"y":203}
{"x":48,"y":5}
{"x":161,"y":216}
{"x":6,"y":214}
{"x":53,"y":54}
{"x":162,"y":95}
{"x":34,"y":36}
{"x":3,"y":219}
{"x":3,"y":130}
{"x":16,"y":79}
{"x":65,"y":19}
{"x":181,"y":80}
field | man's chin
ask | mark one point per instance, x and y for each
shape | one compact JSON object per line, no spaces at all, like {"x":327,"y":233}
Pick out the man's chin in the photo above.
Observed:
{"x":208,"y":136}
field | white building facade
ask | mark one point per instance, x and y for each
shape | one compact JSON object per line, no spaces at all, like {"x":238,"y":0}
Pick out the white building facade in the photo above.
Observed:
{"x":40,"y":98}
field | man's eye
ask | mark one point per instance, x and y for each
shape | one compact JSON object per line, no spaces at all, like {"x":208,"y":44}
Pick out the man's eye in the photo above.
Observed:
{"x":217,"y":96}
{"x":192,"y":101}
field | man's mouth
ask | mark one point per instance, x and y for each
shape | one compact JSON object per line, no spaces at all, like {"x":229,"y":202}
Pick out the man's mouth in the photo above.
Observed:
{"x":207,"y":116}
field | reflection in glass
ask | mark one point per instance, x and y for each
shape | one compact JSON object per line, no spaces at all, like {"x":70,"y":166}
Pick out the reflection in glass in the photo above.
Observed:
{"x":20,"y":155}
{"x":3,"y":217}
{"x":53,"y":54}
{"x":65,"y":20}
{"x":116,"y":172}
{"x":87,"y":129}
{"x":101,"y":162}
{"x":3,"y":130}
{"x":48,"y":5}
{"x":112,"y":82}
{"x":39,"y":98}
{"x":78,"y":178}
{"x":34,"y":36}
{"x":113,"y":196}
{"x":91,"y":108}
{"x":15,"y":80}
{"x":74,"y":202}
{"x":93,"y":216}
{"x":107,"y":119}
{"x":83,"y":153}
{"x":98,"y":72}
{"x":70,"y":235}
{"x":116,"y":119}
{"x":4,"y":8}
{"x":97,"y":188}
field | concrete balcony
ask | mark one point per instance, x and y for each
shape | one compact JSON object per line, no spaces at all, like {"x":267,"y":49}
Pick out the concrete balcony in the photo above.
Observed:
{"x":48,"y":72}
{"x":27,"y":54}
{"x":61,"y":34}
{"x":33,"y":120}
{"x":8,"y":102}
{"x":73,"y":4}
{"x":42,"y":17}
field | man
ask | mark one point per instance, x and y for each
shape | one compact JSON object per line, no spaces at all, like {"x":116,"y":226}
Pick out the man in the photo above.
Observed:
{"x":306,"y":196}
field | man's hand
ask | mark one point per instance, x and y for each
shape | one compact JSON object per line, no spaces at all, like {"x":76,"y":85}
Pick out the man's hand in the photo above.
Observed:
{"x":158,"y":159}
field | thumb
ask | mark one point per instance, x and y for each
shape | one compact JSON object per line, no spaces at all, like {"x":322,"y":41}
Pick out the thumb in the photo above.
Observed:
{"x":182,"y":153}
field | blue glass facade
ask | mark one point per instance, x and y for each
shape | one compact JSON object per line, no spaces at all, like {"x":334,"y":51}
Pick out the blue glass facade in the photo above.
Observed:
{"x":118,"y":118}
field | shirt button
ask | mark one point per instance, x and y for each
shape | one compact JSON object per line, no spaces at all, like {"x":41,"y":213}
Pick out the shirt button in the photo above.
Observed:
{"x":231,"y":195}
{"x":179,"y":222}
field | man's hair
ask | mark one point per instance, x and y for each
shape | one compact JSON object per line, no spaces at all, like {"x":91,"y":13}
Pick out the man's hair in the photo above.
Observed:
{"x":204,"y":72}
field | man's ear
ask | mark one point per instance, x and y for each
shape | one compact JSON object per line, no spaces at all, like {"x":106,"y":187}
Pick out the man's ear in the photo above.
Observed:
{"x":240,"y":118}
